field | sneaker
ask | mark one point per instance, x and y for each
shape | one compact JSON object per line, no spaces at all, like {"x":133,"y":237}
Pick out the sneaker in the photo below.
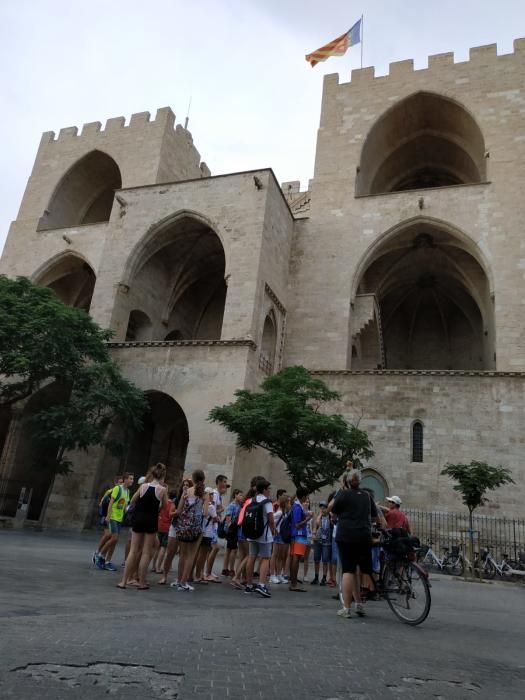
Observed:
{"x":110,"y":567}
{"x":100,"y":563}
{"x":344,"y":612}
{"x":282,"y":579}
{"x":360,"y":609}
{"x":323,"y":581}
{"x":94,"y":558}
{"x":180,"y":587}
{"x":174,"y":584}
{"x":249,"y":589}
{"x":189,"y":588}
{"x":314,"y":581}
{"x":275,"y":579}
{"x":262,"y":590}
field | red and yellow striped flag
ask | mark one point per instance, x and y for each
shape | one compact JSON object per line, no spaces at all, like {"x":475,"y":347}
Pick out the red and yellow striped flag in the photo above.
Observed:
{"x":337,"y":47}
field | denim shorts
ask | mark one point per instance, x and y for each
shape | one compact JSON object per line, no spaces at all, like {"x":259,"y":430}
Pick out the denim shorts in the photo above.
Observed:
{"x":115,"y":527}
{"x":323,"y":552}
{"x":261,"y":549}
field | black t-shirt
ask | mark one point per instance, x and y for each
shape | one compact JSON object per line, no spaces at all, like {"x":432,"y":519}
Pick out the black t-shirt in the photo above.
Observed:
{"x":354,"y":509}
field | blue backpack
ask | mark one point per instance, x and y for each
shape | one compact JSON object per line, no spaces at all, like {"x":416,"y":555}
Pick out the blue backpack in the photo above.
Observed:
{"x":285,"y":527}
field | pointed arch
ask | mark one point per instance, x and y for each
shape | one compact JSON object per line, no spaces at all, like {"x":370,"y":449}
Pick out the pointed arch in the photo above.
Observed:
{"x":70,"y":276}
{"x":424,"y":140}
{"x":84,"y":194}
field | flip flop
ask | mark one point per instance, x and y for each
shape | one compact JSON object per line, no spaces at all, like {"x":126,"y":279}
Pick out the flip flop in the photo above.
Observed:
{"x":122,"y":588}
{"x":236,"y":585}
{"x":142,"y":588}
{"x":297,"y":590}
{"x":162,"y":583}
{"x":201,"y":582}
{"x":212,"y":580}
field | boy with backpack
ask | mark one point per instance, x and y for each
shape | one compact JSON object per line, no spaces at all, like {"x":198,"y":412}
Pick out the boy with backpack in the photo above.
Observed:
{"x":228,"y":529}
{"x":300,"y":516}
{"x":258,"y":526}
{"x":102,"y":513}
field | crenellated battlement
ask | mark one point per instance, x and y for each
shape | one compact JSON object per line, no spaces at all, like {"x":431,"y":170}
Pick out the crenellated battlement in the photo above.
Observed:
{"x":479,"y":56}
{"x":164,"y":118}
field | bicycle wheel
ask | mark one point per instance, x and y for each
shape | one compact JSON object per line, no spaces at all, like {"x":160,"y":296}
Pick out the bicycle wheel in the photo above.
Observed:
{"x":489,"y":570}
{"x":407,"y":592}
{"x":456,"y":566}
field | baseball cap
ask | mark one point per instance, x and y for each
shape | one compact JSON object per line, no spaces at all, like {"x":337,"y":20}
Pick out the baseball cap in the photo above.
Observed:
{"x":394,"y":499}
{"x":208,"y":489}
{"x":141,"y":480}
{"x":323,"y":503}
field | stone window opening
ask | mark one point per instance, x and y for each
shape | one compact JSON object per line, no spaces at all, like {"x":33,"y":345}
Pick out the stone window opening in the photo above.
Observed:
{"x":268,"y":344}
{"x":417,"y":441}
{"x":139,"y":326}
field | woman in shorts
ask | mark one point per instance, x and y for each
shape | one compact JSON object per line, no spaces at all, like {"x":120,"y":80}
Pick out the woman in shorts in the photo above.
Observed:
{"x":147,"y":500}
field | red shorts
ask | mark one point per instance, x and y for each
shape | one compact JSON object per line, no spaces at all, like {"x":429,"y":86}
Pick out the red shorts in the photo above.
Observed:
{"x":297,"y":549}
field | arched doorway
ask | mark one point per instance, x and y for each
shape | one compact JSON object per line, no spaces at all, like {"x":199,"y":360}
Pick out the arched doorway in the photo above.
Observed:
{"x":139,"y":326}
{"x":72,"y":280}
{"x":164,"y":438}
{"x":425,"y":140}
{"x":434,"y":300}
{"x":372,"y":479}
{"x":177,"y":279}
{"x":85,"y":193}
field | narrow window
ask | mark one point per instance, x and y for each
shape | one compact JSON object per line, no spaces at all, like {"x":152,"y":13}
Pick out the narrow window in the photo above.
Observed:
{"x":417,"y":441}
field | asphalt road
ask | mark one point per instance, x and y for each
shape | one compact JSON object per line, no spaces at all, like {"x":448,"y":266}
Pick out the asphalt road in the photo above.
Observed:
{"x":67,"y":631}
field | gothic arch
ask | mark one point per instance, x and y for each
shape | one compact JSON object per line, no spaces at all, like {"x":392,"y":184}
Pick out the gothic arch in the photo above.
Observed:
{"x":424,"y":140}
{"x":176,"y":275}
{"x":269,"y":343}
{"x":84,"y":194}
{"x":433,"y":289}
{"x":159,"y":233}
{"x":70,"y":276}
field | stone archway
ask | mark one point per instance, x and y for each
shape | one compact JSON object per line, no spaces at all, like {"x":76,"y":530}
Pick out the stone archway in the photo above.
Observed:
{"x":71,"y":278}
{"x":425,"y":140}
{"x":433,"y":299}
{"x":30,"y":465}
{"x":85,"y":193}
{"x":373,"y":480}
{"x":178,"y":280}
{"x":164,"y":438}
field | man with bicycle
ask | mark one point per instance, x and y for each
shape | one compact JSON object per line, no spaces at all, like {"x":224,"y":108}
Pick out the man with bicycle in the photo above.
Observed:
{"x":394,"y":516}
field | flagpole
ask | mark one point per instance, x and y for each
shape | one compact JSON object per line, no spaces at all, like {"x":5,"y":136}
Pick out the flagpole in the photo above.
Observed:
{"x":362,"y":37}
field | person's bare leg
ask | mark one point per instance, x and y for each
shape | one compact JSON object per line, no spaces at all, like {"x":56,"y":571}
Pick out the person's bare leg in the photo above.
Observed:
{"x":106,"y":536}
{"x":200,"y":562}
{"x":295,"y":560}
{"x":306,"y":564}
{"x":131,"y":561}
{"x":347,"y":590}
{"x":249,"y":570}
{"x":109,"y":548}
{"x":211,"y":559}
{"x":171,"y":550}
{"x":145,"y":557}
{"x":191,"y":550}
{"x":263,"y":571}
{"x":161,"y":555}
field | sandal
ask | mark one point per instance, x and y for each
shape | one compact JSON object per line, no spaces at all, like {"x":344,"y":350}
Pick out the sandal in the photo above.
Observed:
{"x":122,"y":588}
{"x":212,"y":579}
{"x":297,"y":590}
{"x":143,"y":588}
{"x":162,"y":582}
{"x":201,"y":581}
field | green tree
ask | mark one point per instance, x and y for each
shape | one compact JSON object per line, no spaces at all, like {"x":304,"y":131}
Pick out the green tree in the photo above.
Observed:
{"x":42,"y":339}
{"x":99,"y":397}
{"x":472,"y":482}
{"x":285,"y":418}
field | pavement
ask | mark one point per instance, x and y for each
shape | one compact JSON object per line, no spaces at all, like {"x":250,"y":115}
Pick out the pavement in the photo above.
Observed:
{"x":67,"y":631}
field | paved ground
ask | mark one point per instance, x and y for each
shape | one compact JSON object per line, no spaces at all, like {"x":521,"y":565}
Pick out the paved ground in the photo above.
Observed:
{"x":66,"y":631}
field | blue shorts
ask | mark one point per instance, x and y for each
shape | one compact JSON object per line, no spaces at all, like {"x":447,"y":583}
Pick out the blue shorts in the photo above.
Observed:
{"x":114,"y":527}
{"x":323,"y":552}
{"x":376,"y":559}
{"x":240,"y":535}
{"x":278,"y":539}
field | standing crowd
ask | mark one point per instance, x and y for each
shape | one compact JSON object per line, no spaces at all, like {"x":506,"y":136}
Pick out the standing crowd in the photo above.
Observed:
{"x":267,"y":539}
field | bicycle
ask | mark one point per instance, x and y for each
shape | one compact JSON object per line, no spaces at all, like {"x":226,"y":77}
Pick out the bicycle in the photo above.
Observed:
{"x":490,"y":567}
{"x":402,"y":582}
{"x":452,"y":561}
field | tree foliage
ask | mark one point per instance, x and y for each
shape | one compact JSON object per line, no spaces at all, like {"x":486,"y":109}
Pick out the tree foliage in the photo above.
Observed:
{"x":99,"y":396}
{"x":42,"y":339}
{"x":285,"y":418}
{"x":475,"y":479}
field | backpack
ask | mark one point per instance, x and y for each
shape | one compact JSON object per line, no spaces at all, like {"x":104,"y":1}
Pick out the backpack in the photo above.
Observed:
{"x":189,"y":523}
{"x":285,"y":527}
{"x":222,"y":530}
{"x":253,"y":525}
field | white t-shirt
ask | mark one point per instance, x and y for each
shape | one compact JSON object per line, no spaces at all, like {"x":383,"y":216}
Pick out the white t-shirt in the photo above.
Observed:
{"x":208,"y":524}
{"x":266,"y":537}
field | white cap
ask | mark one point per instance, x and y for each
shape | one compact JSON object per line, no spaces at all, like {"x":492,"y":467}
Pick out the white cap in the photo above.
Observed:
{"x":208,"y":489}
{"x":394,"y":499}
{"x":141,"y":480}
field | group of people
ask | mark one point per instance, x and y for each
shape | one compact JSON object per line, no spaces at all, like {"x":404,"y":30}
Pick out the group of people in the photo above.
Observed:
{"x":267,"y":538}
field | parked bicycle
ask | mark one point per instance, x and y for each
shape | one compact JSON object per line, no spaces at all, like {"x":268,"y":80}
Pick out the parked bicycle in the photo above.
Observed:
{"x":452,"y":561}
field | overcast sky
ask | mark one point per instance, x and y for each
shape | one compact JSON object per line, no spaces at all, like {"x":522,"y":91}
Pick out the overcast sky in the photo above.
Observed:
{"x":255,"y":100}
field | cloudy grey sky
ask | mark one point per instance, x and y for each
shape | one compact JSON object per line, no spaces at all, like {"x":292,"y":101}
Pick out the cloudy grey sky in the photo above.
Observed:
{"x":255,"y":100}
